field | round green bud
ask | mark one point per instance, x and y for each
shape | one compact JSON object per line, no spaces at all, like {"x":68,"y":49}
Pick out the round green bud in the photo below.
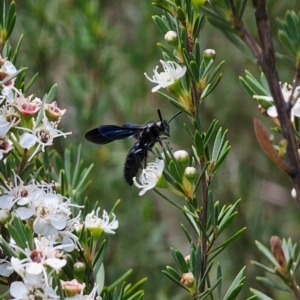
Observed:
{"x":190,"y":173}
{"x":182,"y":157}
{"x":79,"y":271}
{"x":5,"y":216}
{"x":171,"y":38}
{"x":208,"y":55}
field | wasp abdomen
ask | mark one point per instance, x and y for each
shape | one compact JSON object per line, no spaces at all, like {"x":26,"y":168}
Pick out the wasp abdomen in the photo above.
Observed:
{"x":135,"y":160}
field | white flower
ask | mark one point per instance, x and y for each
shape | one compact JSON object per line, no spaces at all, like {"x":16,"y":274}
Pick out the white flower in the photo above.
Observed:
{"x":33,"y":267}
{"x":97,"y":225}
{"x":27,"y":290}
{"x":43,"y":135}
{"x":51,"y":213}
{"x":150,"y":176}
{"x":286,"y":90}
{"x":172,"y":71}
{"x":17,"y":192}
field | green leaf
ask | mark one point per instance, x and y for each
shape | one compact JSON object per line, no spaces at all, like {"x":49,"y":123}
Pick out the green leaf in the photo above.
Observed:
{"x":220,"y":159}
{"x":227,"y":211}
{"x":179,"y":260}
{"x":267,"y":269}
{"x":199,"y":144}
{"x":241,"y":5}
{"x":216,"y":213}
{"x":293,"y":26}
{"x":216,"y":71}
{"x":260,"y":89}
{"x":170,"y":54}
{"x":204,"y":295}
{"x":135,"y":288}
{"x":195,"y":225}
{"x":31,"y":82}
{"x":267,"y":253}
{"x":98,"y":259}
{"x":247,"y":86}
{"x":236,"y":286}
{"x":186,"y":58}
{"x":8,"y":78}
{"x":162,"y":26}
{"x":226,"y":222}
{"x":7,"y":249}
{"x":206,"y":70}
{"x":219,"y":276}
{"x":11,"y":19}
{"x":173,"y":273}
{"x":210,"y":132}
{"x":119,"y":280}
{"x":272,"y":284}
{"x":252,"y":298}
{"x":188,"y":131}
{"x":195,"y":69}
{"x":13,"y":59}
{"x":194,"y":261}
{"x":211,"y":206}
{"x":287,"y":42}
{"x":100,"y":278}
{"x":29,"y":237}
{"x":174,"y":171}
{"x":230,"y":240}
{"x":52,"y":93}
{"x":218,"y":144}
{"x":218,"y":20}
{"x":198,"y":25}
{"x":186,"y":233}
{"x":260,"y":295}
{"x":211,"y":87}
{"x":174,"y":276}
{"x":205,"y":276}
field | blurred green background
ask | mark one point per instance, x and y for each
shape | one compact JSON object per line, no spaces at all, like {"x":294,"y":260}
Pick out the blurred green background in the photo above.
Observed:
{"x":97,"y":52}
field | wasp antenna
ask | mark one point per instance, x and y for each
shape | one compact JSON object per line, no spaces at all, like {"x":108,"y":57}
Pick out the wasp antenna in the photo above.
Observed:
{"x":178,"y":113}
{"x":159,"y":114}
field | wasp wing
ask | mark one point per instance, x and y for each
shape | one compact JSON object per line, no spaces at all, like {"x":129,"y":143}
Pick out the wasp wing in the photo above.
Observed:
{"x":108,"y":133}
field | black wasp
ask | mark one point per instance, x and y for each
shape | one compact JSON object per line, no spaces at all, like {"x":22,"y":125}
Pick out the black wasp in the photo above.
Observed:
{"x":147,"y":135}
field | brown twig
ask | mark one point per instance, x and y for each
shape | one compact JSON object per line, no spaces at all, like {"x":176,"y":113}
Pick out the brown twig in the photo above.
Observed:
{"x":268,"y":65}
{"x":265,"y":57}
{"x":203,"y":220}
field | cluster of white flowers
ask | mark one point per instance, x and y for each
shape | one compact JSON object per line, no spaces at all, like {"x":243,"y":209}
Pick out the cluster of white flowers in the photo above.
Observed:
{"x":51,"y":218}
{"x":27,"y":126}
{"x":36,"y":122}
{"x":37,"y":269}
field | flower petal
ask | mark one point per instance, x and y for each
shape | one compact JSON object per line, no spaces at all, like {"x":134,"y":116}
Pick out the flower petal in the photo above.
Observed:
{"x":27,"y":140}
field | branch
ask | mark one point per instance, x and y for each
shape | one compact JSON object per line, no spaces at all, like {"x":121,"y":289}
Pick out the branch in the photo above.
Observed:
{"x":268,"y":65}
